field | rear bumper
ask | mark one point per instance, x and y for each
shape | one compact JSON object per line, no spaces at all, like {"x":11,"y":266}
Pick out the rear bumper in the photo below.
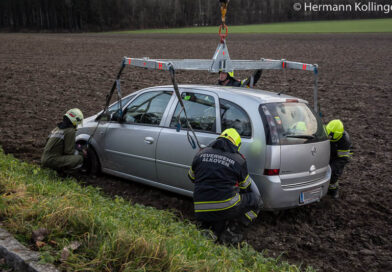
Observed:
{"x":275,"y":196}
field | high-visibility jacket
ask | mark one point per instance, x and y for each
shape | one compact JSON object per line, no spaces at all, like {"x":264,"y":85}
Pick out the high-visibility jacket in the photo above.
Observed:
{"x":59,"y":152}
{"x":340,"y":156}
{"x":242,"y":83}
{"x":220,"y":174}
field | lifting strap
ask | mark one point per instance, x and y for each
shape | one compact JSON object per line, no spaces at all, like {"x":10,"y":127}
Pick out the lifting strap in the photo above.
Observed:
{"x":119,"y":96}
{"x":116,"y":84}
{"x":316,"y":106}
{"x":177,"y":91}
{"x":285,"y":80}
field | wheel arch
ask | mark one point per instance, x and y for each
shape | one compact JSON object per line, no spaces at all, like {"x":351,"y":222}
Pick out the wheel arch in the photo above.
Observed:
{"x":84,"y":139}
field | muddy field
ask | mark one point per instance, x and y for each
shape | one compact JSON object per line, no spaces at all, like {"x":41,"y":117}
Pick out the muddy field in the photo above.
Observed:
{"x":43,"y":75}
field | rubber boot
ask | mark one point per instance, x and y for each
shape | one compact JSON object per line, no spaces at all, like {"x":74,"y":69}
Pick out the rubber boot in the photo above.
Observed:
{"x":232,"y":234}
{"x":229,"y":237}
{"x":334,"y":193}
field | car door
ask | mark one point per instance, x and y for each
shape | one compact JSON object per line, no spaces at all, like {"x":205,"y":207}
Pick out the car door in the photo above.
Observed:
{"x":101,"y":124}
{"x":174,"y":153}
{"x":131,"y":142}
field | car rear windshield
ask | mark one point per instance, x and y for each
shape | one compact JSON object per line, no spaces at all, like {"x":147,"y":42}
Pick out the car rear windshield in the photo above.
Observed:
{"x":291,"y":123}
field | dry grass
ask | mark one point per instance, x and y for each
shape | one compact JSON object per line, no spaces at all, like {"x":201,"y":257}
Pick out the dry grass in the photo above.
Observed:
{"x":114,"y":235}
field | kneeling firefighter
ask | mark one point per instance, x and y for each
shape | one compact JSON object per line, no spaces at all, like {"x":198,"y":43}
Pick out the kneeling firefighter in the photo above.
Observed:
{"x":59,"y":152}
{"x":226,"y":200}
{"x":340,"y":154}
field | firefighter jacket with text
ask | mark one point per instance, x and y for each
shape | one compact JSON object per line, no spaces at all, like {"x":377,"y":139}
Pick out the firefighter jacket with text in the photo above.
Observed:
{"x":220,"y":174}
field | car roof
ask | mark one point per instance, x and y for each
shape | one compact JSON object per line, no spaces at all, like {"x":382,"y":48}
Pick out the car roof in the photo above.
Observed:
{"x":222,"y":91}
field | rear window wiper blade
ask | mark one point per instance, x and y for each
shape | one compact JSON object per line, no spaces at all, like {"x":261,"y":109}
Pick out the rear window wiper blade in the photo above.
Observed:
{"x":299,"y":136}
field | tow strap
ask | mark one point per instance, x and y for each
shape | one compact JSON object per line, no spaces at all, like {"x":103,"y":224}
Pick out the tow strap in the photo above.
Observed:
{"x":116,"y":85}
{"x":178,"y":126}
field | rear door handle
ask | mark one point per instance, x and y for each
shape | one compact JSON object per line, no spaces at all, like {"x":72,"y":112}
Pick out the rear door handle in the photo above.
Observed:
{"x":149,"y":140}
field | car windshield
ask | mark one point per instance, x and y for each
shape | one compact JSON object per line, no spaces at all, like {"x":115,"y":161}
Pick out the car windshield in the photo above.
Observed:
{"x":295,"y":123}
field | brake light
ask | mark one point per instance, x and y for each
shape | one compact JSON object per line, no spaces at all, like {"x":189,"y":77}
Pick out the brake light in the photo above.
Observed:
{"x":272,"y":134}
{"x":271,"y":172}
{"x":292,"y":101}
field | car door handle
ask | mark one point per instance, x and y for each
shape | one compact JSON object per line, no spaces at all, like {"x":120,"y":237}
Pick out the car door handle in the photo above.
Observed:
{"x":149,"y":140}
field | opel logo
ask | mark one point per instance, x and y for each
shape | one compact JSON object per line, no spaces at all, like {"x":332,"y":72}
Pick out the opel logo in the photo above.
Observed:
{"x":313,"y":151}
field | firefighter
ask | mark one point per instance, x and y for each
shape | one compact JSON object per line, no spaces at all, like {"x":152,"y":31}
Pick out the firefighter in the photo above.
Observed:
{"x":226,"y":200}
{"x":340,"y":154}
{"x":59,"y":152}
{"x":227,"y":79}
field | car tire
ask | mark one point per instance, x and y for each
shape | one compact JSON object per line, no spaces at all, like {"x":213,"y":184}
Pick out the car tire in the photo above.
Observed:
{"x":93,"y":165}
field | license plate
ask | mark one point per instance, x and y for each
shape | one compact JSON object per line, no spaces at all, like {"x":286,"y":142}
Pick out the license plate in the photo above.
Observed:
{"x":310,"y":196}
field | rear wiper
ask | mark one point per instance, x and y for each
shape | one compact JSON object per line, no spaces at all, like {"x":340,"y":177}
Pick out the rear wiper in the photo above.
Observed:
{"x":299,"y":136}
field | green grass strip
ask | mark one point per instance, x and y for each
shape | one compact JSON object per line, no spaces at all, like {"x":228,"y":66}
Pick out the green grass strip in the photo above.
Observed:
{"x":340,"y":26}
{"x":115,"y":235}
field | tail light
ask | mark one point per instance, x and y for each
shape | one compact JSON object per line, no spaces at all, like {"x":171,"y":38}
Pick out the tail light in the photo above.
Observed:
{"x":272,"y":132}
{"x":271,"y":172}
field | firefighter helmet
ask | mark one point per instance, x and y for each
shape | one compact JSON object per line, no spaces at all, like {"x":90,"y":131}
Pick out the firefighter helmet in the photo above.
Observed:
{"x":299,"y":126}
{"x":75,"y":116}
{"x":232,"y":135}
{"x":335,"y":130}
{"x":229,"y":74}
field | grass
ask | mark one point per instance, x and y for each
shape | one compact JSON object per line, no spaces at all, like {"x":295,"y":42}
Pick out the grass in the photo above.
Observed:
{"x":341,"y":26}
{"x":114,"y":234}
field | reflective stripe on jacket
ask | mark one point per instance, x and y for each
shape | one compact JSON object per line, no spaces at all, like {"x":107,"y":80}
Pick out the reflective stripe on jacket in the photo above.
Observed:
{"x":341,"y":148}
{"x":219,"y":172}
{"x":213,"y":206}
{"x":340,"y":156}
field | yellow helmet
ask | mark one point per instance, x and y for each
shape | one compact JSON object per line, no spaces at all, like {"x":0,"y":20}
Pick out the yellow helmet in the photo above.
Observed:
{"x":232,"y":135}
{"x":335,"y":130}
{"x":75,"y":116}
{"x":230,"y":74}
{"x":299,"y":126}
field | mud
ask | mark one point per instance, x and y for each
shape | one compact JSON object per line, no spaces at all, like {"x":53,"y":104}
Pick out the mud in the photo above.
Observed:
{"x":43,"y":75}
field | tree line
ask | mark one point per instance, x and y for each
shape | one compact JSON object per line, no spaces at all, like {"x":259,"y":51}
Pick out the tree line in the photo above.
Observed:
{"x":102,"y":15}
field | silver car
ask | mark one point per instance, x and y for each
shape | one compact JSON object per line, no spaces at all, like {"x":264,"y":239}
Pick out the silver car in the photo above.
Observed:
{"x":283,"y":140}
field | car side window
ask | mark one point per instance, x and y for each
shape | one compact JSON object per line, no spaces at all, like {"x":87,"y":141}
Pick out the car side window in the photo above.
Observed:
{"x":115,"y":107}
{"x":233,"y":116}
{"x":201,"y":112}
{"x":147,"y":108}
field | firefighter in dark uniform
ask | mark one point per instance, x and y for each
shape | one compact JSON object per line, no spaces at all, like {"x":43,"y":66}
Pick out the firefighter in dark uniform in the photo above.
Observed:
{"x":59,"y":152}
{"x":225,"y":198}
{"x":340,"y":153}
{"x":227,"y":79}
